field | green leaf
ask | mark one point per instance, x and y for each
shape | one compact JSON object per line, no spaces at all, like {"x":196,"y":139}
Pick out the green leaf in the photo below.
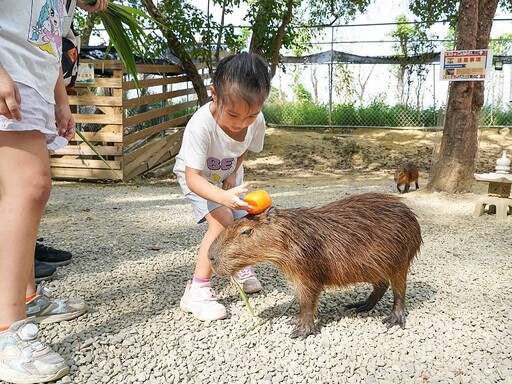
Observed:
{"x":126,"y":34}
{"x":244,"y":296}
{"x":84,"y":139}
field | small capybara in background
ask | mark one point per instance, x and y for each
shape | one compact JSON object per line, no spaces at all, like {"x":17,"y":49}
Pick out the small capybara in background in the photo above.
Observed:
{"x":405,"y":175}
{"x":371,"y":237}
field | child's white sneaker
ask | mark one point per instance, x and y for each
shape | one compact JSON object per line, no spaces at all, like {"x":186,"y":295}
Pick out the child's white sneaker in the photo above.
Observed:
{"x":200,"y":300}
{"x":247,"y":280}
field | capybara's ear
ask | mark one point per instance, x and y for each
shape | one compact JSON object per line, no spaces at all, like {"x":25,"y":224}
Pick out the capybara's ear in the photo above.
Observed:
{"x":269,"y":214}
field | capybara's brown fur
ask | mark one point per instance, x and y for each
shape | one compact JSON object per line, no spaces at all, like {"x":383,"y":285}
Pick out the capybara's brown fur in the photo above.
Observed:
{"x":371,"y":237}
{"x":405,"y":175}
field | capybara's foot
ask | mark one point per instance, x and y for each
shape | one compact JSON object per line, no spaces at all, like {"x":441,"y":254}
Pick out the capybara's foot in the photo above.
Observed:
{"x":304,"y":331}
{"x":360,"y":306}
{"x":295,"y":321}
{"x":303,"y":328}
{"x":395,"y":318}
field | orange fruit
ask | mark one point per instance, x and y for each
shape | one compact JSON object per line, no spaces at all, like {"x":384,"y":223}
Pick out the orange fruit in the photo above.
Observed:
{"x":259,"y":201}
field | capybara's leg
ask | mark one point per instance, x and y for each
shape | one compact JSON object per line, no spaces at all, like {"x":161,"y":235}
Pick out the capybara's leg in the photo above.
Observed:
{"x":305,"y":322}
{"x":407,"y":186}
{"x":398,"y":187}
{"x":397,"y":316}
{"x":417,"y":185}
{"x":379,"y":289}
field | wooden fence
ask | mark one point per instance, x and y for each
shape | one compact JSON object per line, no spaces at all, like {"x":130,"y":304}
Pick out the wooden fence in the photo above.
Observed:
{"x":134,"y":131}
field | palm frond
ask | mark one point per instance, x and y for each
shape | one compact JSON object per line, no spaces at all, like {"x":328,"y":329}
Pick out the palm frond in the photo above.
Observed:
{"x":126,"y":34}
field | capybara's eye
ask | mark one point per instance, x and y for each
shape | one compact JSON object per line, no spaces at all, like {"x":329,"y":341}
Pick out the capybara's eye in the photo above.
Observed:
{"x":246,"y":232}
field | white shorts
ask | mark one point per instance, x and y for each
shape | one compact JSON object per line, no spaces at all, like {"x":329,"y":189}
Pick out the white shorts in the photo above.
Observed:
{"x":37,"y":115}
{"x":202,"y":207}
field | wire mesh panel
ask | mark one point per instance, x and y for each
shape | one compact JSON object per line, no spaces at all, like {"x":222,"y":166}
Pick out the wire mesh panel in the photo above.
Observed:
{"x":380,"y":95}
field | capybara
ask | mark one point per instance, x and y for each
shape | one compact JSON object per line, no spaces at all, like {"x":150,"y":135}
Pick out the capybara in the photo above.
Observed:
{"x":405,"y":175}
{"x":370,"y":237}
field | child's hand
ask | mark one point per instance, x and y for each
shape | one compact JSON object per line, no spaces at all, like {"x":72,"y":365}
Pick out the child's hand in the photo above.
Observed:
{"x":232,"y":197}
{"x":65,"y":122}
{"x":10,"y":98}
{"x":229,"y":182}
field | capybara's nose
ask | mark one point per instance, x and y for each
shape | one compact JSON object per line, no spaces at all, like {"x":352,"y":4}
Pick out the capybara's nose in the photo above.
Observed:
{"x":212,"y":257}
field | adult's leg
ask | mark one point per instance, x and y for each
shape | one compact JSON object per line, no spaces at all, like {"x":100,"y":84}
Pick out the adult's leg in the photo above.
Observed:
{"x":25,"y":185}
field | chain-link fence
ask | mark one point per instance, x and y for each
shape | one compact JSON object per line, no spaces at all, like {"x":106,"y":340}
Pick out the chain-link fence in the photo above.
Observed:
{"x":375,"y":92}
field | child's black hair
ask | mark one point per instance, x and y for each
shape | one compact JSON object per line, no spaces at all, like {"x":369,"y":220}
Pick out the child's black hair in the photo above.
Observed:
{"x":242,"y":76}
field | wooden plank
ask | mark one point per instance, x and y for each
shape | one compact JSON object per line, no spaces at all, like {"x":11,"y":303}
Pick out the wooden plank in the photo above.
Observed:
{"x":109,"y":128}
{"x":157,"y":157}
{"x":104,"y":64}
{"x":141,"y":68}
{"x":112,"y":128}
{"x":98,"y":119}
{"x":171,"y":149}
{"x":148,"y":99}
{"x":83,"y":149}
{"x":146,"y":83}
{"x":143,"y":167}
{"x":137,"y":119}
{"x":143,"y":154}
{"x":137,"y":171}
{"x":92,"y":99}
{"x":103,"y":82}
{"x":85,"y":173}
{"x":179,"y":121}
{"x":68,"y":162}
{"x":111,"y":110}
{"x":112,"y":137}
{"x":131,"y":156}
{"x":159,"y":68}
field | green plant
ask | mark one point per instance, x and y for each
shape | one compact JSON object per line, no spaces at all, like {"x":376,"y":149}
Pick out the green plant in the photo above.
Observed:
{"x":126,"y":33}
{"x":128,"y":37}
{"x":377,"y":114}
{"x":243,"y":295}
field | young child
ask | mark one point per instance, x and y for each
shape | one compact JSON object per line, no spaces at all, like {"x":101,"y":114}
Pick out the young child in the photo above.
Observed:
{"x":33,"y":103}
{"x":209,"y":167}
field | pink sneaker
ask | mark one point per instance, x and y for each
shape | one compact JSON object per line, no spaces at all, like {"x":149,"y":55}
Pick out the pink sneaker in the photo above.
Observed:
{"x":247,"y":280}
{"x":201,"y":300}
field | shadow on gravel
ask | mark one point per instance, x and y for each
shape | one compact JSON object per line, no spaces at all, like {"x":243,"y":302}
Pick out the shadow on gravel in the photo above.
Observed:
{"x":331,"y":306}
{"x":143,"y":299}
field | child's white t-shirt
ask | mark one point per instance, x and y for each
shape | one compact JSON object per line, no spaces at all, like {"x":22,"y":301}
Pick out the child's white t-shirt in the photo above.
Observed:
{"x":208,"y":148}
{"x":31,"y":43}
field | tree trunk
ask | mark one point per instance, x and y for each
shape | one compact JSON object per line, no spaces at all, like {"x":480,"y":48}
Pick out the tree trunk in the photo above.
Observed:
{"x":219,"y":38}
{"x":85,"y":36}
{"x":278,"y":42}
{"x":256,"y":45}
{"x":400,"y":75}
{"x":180,"y":52}
{"x":314,"y":83}
{"x":453,"y":171}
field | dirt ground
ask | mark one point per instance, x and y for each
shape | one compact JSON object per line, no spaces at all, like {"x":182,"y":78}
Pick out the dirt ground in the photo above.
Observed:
{"x":315,"y":155}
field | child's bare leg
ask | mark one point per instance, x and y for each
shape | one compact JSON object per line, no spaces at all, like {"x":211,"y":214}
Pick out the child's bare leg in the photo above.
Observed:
{"x":217,"y":220}
{"x":25,"y":184}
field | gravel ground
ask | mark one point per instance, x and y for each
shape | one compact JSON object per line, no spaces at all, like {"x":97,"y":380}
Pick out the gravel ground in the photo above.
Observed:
{"x":134,"y":249}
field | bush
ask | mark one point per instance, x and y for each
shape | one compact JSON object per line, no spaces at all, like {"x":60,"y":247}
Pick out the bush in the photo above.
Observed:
{"x":376,"y":114}
{"x":493,"y":116}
